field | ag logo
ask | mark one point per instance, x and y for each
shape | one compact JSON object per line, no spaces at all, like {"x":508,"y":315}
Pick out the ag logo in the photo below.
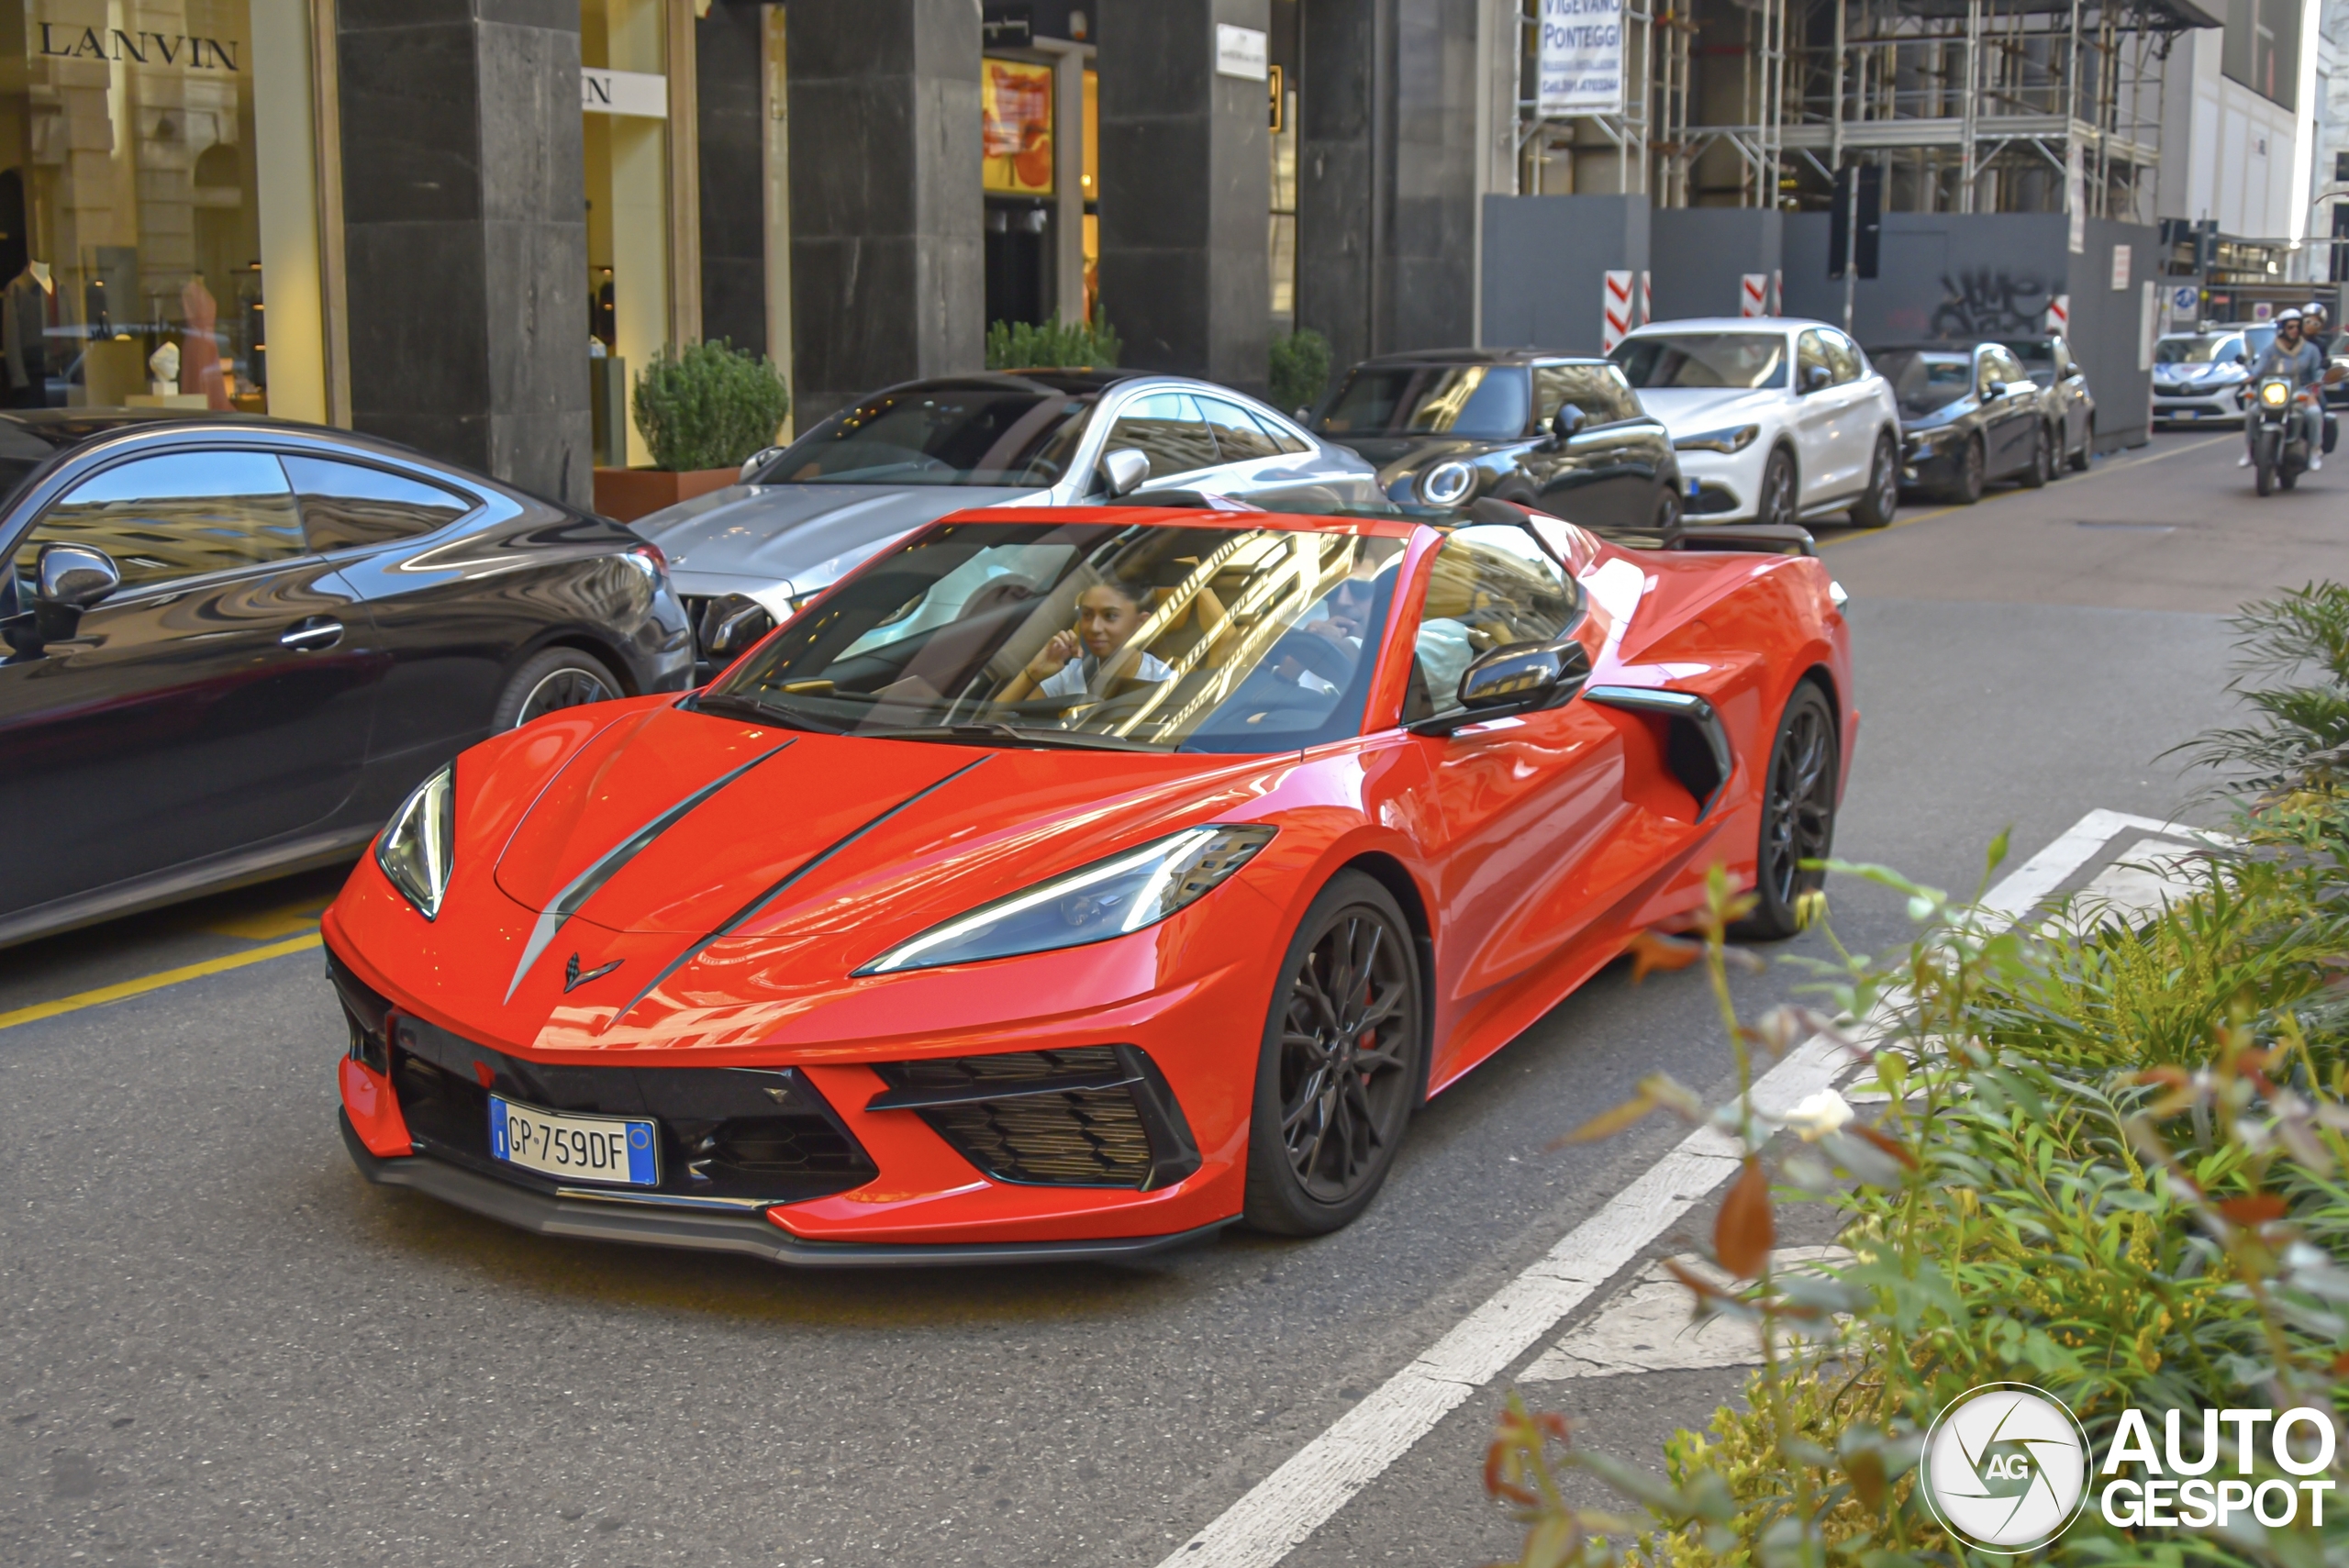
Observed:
{"x":2006,"y":1467}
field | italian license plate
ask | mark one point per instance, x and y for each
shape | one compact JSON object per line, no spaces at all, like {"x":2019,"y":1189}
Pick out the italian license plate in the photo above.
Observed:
{"x":574,"y":1148}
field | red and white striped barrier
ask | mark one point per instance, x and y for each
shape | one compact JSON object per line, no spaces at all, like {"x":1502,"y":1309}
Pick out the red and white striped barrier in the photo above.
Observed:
{"x":2059,"y":314}
{"x":1646,"y":314}
{"x":1753,"y":294}
{"x":1618,"y":319}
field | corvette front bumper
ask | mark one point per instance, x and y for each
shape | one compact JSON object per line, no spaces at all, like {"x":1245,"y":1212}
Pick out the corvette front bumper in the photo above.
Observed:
{"x":749,"y":1234}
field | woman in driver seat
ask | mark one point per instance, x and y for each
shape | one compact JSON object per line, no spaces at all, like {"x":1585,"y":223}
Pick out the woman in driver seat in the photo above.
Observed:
{"x":1108,"y":615}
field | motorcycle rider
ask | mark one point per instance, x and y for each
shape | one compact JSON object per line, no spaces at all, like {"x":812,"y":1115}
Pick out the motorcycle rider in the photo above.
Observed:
{"x":2299,"y":364}
{"x":2314,"y":328}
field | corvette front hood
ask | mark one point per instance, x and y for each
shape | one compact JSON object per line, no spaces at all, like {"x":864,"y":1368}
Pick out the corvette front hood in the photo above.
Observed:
{"x":673,"y":830}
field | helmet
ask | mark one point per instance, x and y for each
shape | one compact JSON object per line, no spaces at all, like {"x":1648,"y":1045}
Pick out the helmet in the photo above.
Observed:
{"x":2313,"y":311}
{"x":2288,"y":315}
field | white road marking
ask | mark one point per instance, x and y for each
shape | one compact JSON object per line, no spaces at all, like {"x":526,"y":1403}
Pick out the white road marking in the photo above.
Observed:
{"x":1279,"y":1512}
{"x":1650,"y":1325}
{"x":2150,"y":875}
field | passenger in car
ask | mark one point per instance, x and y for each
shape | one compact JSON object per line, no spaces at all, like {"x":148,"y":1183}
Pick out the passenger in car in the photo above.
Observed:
{"x":1108,"y":615}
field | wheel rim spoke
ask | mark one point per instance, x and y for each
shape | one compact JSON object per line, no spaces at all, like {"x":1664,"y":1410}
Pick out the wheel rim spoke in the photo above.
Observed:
{"x":1348,"y":1038}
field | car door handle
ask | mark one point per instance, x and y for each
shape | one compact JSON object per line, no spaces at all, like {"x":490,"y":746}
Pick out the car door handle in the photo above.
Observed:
{"x":318,"y":631}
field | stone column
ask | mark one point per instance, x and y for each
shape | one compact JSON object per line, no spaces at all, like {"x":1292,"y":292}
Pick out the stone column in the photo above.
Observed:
{"x":1387,"y":157}
{"x":1186,"y":192}
{"x":465,"y":238}
{"x":888,"y":278}
{"x":730,"y":58}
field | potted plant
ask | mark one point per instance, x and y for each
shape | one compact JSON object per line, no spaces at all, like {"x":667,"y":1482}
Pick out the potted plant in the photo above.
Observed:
{"x":703,"y":412}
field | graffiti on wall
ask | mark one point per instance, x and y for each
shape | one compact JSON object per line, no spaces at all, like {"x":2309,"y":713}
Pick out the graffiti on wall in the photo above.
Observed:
{"x":1988,"y":301}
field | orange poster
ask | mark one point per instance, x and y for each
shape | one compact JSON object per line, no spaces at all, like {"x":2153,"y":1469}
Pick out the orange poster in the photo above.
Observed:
{"x":1015,"y":109}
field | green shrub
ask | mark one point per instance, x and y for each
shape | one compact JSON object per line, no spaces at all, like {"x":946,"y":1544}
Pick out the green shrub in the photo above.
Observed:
{"x":1020,"y":345}
{"x":2111,"y":1164}
{"x":711,"y":406}
{"x":1300,"y":369}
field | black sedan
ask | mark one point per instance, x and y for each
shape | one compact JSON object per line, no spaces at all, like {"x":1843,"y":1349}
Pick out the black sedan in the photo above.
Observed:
{"x":1562,"y":435}
{"x":232,"y":645}
{"x":1969,"y":414}
{"x":2047,"y":359}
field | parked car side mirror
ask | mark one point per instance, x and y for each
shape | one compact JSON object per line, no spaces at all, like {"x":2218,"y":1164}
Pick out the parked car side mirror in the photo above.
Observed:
{"x":1123,"y":472}
{"x":1997,"y":389}
{"x":67,"y":580}
{"x":1566,"y":423}
{"x":757,"y":460}
{"x":1816,"y":378}
{"x":72,"y":577}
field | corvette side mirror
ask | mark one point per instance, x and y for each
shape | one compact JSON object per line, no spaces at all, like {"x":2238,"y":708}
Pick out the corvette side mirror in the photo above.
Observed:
{"x":730,"y":625}
{"x":1123,"y":470}
{"x":1517,"y":679}
{"x":755,"y":462}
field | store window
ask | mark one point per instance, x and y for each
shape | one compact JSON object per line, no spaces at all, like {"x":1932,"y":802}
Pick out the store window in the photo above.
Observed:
{"x":157,"y":209}
{"x":1092,"y":194}
{"x":624,"y":98}
{"x":1015,"y":175}
{"x":1283,"y":247}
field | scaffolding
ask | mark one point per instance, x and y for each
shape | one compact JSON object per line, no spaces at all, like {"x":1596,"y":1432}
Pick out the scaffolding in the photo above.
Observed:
{"x":1970,"y":105}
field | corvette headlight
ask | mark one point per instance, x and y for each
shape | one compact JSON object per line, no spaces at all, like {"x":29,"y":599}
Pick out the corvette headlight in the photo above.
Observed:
{"x":1732,"y":440}
{"x":2275,"y":395}
{"x":1106,"y":899}
{"x":414,"y":849}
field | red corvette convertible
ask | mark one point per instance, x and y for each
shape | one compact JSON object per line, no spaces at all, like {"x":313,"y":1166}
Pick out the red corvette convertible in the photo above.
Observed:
{"x":1074,"y":883}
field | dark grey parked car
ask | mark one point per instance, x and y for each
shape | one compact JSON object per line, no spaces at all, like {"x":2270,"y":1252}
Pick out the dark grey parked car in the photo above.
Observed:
{"x":232,"y":645}
{"x":803,"y":517}
{"x":2048,"y":359}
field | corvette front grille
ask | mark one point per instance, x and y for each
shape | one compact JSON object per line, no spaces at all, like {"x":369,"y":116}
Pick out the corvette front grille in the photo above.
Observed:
{"x":735,"y":1133}
{"x":1099,"y":1116}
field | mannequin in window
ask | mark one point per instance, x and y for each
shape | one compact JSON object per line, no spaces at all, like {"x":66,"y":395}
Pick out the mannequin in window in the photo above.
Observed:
{"x":24,"y":329}
{"x":200,"y":349}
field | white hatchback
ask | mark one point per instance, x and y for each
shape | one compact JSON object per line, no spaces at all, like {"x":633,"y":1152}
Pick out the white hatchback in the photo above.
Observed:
{"x":1774,"y":420}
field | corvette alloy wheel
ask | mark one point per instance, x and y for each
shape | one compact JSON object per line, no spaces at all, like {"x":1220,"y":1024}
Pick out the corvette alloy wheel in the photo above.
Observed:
{"x":1797,"y":811}
{"x":1342,"y":1062}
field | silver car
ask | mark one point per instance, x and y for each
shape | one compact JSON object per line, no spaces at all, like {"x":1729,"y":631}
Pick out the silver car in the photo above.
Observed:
{"x":745,"y":557}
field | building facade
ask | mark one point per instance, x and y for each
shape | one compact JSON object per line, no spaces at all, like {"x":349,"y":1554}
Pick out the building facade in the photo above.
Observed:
{"x":469,"y":225}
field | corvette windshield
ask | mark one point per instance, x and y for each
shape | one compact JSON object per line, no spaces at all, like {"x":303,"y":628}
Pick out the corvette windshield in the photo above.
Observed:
{"x":1704,"y":360}
{"x":1087,"y":635}
{"x":1007,"y":433}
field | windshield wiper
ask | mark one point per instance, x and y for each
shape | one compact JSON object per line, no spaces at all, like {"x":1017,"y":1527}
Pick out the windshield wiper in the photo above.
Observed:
{"x":757,"y":712}
{"x":1012,"y":735}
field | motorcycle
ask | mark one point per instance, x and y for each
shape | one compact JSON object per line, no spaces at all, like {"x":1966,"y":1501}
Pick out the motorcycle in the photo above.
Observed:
{"x":2281,"y":420}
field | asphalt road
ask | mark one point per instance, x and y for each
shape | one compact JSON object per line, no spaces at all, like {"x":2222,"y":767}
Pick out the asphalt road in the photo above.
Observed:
{"x":217,"y":1344}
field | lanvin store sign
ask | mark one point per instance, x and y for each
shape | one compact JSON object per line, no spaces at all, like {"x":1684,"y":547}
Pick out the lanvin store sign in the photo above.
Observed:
{"x":63,"y":40}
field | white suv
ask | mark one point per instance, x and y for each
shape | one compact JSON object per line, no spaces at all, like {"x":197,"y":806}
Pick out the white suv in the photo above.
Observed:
{"x":1774,"y":420}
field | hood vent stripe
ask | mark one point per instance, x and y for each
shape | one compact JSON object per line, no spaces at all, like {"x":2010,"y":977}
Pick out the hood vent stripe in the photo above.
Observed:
{"x":749,"y":911}
{"x":573,"y":898}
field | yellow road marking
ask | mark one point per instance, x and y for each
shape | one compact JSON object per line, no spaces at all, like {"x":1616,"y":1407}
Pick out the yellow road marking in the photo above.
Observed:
{"x":104,"y":994}
{"x":2072,"y":482}
{"x":267,"y":925}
